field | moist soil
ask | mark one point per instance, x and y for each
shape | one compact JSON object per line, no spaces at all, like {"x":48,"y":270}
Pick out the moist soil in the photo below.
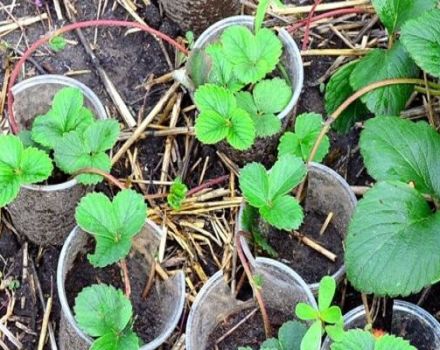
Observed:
{"x":416,"y":332}
{"x":146,"y":312}
{"x":250,"y":333}
{"x":311,"y":265}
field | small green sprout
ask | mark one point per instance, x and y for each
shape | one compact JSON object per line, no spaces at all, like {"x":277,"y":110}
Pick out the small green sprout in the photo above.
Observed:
{"x":57,"y":43}
{"x":300,"y":143}
{"x":177,"y":194}
{"x":326,"y":318}
{"x":103,"y":312}
{"x":269,"y":191}
{"x":112,"y":224}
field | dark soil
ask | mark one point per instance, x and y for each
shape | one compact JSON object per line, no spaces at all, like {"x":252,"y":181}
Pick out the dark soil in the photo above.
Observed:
{"x":250,"y":333}
{"x":416,"y":333}
{"x":146,"y":312}
{"x":311,"y":265}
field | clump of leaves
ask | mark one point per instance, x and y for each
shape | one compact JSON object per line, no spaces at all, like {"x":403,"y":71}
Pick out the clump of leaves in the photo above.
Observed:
{"x":239,"y":60}
{"x":103,"y":312}
{"x":112,"y":224}
{"x":300,"y":143}
{"x":289,"y":338}
{"x":177,"y":194}
{"x":326,"y":318}
{"x":419,"y":22}
{"x":20,"y":165}
{"x":357,"y":339}
{"x":269,"y":191}
{"x":394,"y":218}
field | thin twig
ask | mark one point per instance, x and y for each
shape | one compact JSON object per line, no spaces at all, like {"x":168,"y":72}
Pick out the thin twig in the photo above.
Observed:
{"x":124,"y":269}
{"x":207,"y":184}
{"x":46,"y":316}
{"x":233,"y":329}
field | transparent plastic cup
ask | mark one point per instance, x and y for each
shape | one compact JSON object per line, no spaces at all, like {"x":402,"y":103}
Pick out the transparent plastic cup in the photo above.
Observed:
{"x":282,"y":290}
{"x":45,"y":214}
{"x":327,"y":192}
{"x":171,"y":292}
{"x":410,"y":322}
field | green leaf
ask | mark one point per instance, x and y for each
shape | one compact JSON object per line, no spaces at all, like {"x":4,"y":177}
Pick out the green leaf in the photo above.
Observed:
{"x":112,"y":341}
{"x":20,"y":166}
{"x":241,"y":132}
{"x":394,"y":13}
{"x":67,"y":114}
{"x":397,"y":149}
{"x":301,"y":142}
{"x":291,"y":334}
{"x":100,"y":309}
{"x":284,"y":213}
{"x":57,"y":43}
{"x":254,"y":184}
{"x":393,"y":242}
{"x":260,"y":241}
{"x":272,"y":95}
{"x":270,"y":344}
{"x":215,"y":98}
{"x":332,"y":314}
{"x":336,"y":331}
{"x":269,"y":97}
{"x":113,"y":224}
{"x":77,"y":150}
{"x":287,"y":173}
{"x":337,"y":91}
{"x":327,"y":289}
{"x":211,"y":127}
{"x":251,"y":56}
{"x":420,"y":37}
{"x":221,"y":72}
{"x":312,"y":339}
{"x":357,"y":339}
{"x":382,"y":64}
{"x":306,"y":312}
{"x":177,"y":194}
{"x":263,"y":5}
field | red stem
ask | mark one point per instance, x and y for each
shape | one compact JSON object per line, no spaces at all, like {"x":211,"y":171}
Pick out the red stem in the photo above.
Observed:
{"x":206,"y":184}
{"x":333,"y":13}
{"x":94,"y":23}
{"x":307,"y":30}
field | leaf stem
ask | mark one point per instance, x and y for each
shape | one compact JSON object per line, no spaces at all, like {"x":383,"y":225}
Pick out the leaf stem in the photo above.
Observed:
{"x":78,"y":25}
{"x":258,"y":296}
{"x":107,"y":176}
{"x":124,"y":269}
{"x":337,"y":113}
{"x":206,"y":184}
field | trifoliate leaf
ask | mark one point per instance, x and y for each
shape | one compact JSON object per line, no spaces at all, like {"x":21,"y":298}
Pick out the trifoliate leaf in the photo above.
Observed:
{"x":57,"y":43}
{"x":420,"y":37}
{"x":383,"y":64}
{"x":177,"y":194}
{"x":252,"y":56}
{"x":301,"y":142}
{"x":20,"y":166}
{"x":394,"y":13}
{"x":221,"y":118}
{"x":393,"y":221}
{"x":272,"y":95}
{"x":77,"y":150}
{"x":67,"y":114}
{"x":397,"y":149}
{"x":284,"y":213}
{"x":101,"y":309}
{"x":337,"y":91}
{"x":221,"y":72}
{"x":268,"y":191}
{"x":357,"y":339}
{"x":327,"y":289}
{"x":312,"y":339}
{"x":306,"y":312}
{"x":291,"y":334}
{"x":113,"y":224}
{"x":113,"y":341}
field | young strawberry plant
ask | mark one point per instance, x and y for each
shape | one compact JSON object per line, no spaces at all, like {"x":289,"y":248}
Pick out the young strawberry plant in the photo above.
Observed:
{"x":360,"y":339}
{"x":177,"y":194}
{"x":69,"y":133}
{"x":112,"y":224}
{"x":106,"y":314}
{"x":239,"y":91}
{"x":394,"y":62}
{"x":399,"y":216}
